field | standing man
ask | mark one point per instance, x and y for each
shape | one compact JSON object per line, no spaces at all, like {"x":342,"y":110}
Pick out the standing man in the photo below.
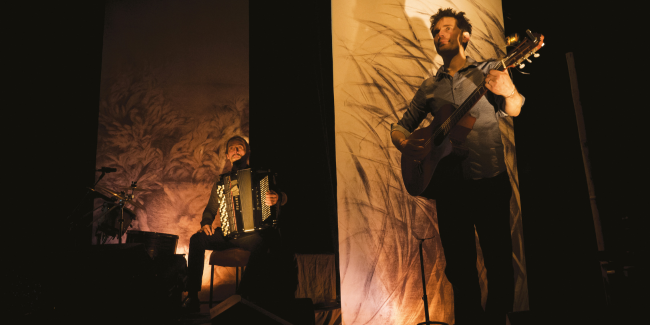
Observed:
{"x":237,"y":153}
{"x":480,"y":195}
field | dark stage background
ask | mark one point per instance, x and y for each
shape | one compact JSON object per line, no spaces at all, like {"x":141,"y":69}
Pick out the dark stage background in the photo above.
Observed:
{"x":55,"y":75}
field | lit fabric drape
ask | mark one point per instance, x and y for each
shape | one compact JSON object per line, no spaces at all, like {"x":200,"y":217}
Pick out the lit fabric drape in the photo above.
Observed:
{"x":382,"y":51}
{"x":174,"y":88}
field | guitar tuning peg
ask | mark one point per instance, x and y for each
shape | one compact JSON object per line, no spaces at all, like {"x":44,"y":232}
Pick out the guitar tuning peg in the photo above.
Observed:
{"x":521,"y":66}
{"x":536,"y":55}
{"x":529,"y":61}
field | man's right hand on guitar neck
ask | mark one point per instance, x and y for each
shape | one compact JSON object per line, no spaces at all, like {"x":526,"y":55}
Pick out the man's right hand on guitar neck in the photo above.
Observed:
{"x":411,"y":147}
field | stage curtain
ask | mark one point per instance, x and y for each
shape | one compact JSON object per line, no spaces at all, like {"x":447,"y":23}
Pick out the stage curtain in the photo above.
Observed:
{"x":316,"y":277}
{"x":317,"y":281}
{"x":382,"y":51}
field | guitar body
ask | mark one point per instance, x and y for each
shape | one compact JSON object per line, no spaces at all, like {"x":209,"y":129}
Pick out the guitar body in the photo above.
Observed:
{"x":419,"y":174}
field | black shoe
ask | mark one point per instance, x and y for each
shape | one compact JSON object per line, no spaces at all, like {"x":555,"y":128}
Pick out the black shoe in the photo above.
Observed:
{"x":191,"y":305}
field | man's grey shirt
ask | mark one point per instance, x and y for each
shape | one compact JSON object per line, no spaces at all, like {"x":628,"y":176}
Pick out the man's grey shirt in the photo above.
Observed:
{"x":486,"y":157}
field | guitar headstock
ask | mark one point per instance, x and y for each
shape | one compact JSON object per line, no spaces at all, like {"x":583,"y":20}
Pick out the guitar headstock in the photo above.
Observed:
{"x":530,"y":45}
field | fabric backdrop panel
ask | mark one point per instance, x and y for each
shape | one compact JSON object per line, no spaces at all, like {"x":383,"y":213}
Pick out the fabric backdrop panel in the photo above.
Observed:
{"x":382,"y":51}
{"x":174,"y":88}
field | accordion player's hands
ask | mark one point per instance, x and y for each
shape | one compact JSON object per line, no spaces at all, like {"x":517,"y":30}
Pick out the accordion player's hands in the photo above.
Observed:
{"x":207,"y":229}
{"x":271,"y":198}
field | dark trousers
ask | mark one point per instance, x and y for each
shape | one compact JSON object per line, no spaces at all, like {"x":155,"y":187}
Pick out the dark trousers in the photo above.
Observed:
{"x":200,"y":242}
{"x":484,"y":204}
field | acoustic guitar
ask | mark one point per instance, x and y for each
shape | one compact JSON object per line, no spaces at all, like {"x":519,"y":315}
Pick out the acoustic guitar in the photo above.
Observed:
{"x":451,"y":126}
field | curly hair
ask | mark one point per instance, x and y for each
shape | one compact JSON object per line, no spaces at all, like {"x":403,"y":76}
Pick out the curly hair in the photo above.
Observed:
{"x":461,"y":21}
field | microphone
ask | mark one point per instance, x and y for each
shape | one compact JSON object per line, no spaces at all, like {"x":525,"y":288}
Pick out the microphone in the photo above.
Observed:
{"x":107,"y":170}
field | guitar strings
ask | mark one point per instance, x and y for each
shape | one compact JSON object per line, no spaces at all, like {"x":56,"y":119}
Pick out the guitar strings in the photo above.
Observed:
{"x":456,"y":115}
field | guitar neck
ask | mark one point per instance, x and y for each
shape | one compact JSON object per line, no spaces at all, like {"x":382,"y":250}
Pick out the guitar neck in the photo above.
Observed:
{"x":467,"y":105}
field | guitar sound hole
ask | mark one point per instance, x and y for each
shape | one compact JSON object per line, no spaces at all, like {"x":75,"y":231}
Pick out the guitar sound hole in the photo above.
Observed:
{"x":438,"y":139}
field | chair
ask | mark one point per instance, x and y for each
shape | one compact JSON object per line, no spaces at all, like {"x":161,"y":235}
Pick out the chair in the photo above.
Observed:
{"x":232,"y":257}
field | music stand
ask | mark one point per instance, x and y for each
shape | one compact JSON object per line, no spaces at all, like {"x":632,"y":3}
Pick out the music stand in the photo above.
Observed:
{"x":424,"y":288}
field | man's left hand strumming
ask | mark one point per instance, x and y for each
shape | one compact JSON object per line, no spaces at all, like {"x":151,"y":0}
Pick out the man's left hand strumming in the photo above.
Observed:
{"x":272,"y":198}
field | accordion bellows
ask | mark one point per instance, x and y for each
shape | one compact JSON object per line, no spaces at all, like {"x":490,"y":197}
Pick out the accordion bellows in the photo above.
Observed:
{"x":242,"y":194}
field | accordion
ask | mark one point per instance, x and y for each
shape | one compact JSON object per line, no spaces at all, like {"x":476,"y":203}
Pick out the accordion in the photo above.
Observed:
{"x":242,"y":196}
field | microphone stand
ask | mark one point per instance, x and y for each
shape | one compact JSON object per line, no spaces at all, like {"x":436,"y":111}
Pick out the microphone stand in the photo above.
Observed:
{"x":100,"y":177}
{"x":424,"y":288}
{"x":102,"y":216}
{"x":122,"y":202}
{"x":119,"y":235}
{"x":71,"y":216}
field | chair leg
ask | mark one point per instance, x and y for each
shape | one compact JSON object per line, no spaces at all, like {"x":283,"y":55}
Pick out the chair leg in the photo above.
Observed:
{"x":211,"y":283}
{"x":236,"y":279}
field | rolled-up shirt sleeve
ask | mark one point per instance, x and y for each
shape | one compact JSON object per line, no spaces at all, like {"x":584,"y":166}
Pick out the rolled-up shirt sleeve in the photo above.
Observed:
{"x":414,"y":114}
{"x":499,"y":103}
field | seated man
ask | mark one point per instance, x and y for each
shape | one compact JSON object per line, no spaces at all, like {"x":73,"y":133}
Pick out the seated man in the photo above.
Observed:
{"x":237,"y":152}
